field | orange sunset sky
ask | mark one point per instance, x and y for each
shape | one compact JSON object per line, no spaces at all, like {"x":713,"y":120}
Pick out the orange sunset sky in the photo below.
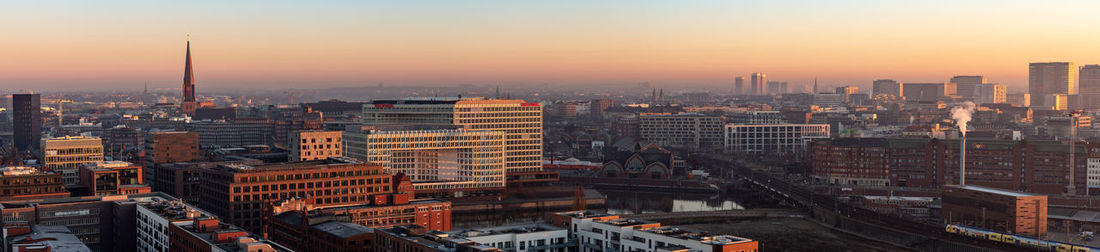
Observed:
{"x":56,"y":45}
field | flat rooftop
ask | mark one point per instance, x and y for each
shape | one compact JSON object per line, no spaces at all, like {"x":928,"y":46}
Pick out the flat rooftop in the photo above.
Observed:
{"x":515,"y":229}
{"x":343,"y":229}
{"x":700,"y":236}
{"x":994,"y":191}
{"x":311,"y":164}
{"x":585,"y":214}
{"x":57,"y":238}
{"x":624,"y":222}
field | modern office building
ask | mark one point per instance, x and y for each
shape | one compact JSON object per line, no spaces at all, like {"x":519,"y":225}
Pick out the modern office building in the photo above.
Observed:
{"x":596,"y":231}
{"x":827,"y":99}
{"x":447,"y":162}
{"x":996,"y":209}
{"x":1051,"y":78}
{"x":759,"y":84}
{"x":1089,"y":92}
{"x":1058,"y":102}
{"x":887,"y":89}
{"x":967,"y":83}
{"x":240,"y":132}
{"x":65,"y":154}
{"x":847,"y":91}
{"x":739,"y":85}
{"x":928,"y":92}
{"x":241,"y":194}
{"x":691,"y":130}
{"x":520,"y":121}
{"x":1019,"y":99}
{"x":113,"y":178}
{"x":22,"y":182}
{"x":990,"y":93}
{"x":773,"y":138}
{"x":315,"y":145}
{"x":26,"y":121}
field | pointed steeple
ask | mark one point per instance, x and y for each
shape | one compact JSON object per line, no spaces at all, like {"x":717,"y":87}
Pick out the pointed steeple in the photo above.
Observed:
{"x":815,"y":85}
{"x":188,"y":76}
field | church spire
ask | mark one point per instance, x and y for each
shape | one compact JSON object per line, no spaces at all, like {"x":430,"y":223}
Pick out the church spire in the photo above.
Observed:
{"x":188,"y":76}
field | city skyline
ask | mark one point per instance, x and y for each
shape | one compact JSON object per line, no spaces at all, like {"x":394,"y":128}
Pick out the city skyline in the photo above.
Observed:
{"x":278,"y":45}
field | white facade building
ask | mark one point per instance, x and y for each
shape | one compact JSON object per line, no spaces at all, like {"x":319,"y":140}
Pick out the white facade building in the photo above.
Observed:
{"x":155,"y":216}
{"x":521,"y":238}
{"x":435,"y":160}
{"x":520,"y":121}
{"x":596,"y":231}
{"x":779,"y":138}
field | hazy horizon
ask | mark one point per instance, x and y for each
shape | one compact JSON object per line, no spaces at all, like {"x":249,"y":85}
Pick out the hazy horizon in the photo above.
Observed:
{"x":278,"y":45}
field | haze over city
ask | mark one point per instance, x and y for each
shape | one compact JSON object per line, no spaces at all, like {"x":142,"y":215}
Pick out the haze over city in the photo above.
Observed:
{"x":54,"y":45}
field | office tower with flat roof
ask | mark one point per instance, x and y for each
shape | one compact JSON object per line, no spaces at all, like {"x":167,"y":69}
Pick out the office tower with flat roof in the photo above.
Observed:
{"x":887,"y":89}
{"x":739,"y":85}
{"x":65,"y":154}
{"x":967,"y":83}
{"x":27,"y":121}
{"x":990,"y":93}
{"x":1050,"y":78}
{"x":927,"y":92}
{"x":759,"y":84}
{"x":520,"y":121}
{"x":315,"y":145}
{"x":1089,"y":95}
{"x":847,"y":91}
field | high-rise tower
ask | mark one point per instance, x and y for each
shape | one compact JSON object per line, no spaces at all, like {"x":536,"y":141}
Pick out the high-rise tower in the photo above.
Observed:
{"x":1046,"y":81}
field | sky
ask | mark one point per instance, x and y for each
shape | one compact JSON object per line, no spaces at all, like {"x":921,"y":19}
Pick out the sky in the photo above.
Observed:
{"x":51,"y":45}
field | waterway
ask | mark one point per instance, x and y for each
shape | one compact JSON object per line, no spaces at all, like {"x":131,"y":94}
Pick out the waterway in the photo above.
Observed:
{"x":631,"y":202}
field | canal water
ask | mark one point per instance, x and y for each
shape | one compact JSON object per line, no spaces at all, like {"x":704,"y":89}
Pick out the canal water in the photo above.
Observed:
{"x":632,"y":202}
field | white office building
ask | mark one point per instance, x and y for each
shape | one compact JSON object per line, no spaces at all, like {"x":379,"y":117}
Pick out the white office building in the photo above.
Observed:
{"x":776,"y":138}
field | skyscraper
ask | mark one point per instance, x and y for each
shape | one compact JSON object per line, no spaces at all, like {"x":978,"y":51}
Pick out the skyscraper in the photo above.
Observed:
{"x":1050,"y":78}
{"x":1089,"y":76}
{"x":759,"y":84}
{"x":987,"y":93}
{"x":887,"y":89}
{"x":847,"y":91}
{"x":739,"y":85}
{"x":27,"y":121}
{"x":966,"y":84}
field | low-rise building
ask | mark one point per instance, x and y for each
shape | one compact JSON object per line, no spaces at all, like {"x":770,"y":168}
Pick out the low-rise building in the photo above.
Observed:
{"x":596,"y":231}
{"x":113,"y":177}
{"x":22,"y":182}
{"x":996,"y":209}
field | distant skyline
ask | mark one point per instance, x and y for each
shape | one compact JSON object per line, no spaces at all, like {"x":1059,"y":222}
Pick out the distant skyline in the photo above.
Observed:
{"x":55,"y":45}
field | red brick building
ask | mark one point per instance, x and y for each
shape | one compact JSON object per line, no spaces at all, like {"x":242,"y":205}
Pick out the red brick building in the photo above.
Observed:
{"x":1031,"y":166}
{"x":996,"y":209}
{"x":113,"y":178}
{"x":242,"y":194}
{"x":209,"y":234}
{"x":19,"y":183}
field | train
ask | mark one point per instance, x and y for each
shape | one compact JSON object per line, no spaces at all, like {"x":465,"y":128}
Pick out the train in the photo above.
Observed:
{"x":1018,"y":240}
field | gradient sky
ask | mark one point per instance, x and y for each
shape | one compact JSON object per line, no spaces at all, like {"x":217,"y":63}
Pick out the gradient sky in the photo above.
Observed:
{"x":276,"y":44}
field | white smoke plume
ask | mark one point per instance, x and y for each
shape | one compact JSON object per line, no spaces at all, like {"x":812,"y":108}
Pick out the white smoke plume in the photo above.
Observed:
{"x":961,"y":114}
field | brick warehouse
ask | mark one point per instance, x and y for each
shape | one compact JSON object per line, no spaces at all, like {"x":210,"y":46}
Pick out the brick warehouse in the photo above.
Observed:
{"x":1029,"y":166}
